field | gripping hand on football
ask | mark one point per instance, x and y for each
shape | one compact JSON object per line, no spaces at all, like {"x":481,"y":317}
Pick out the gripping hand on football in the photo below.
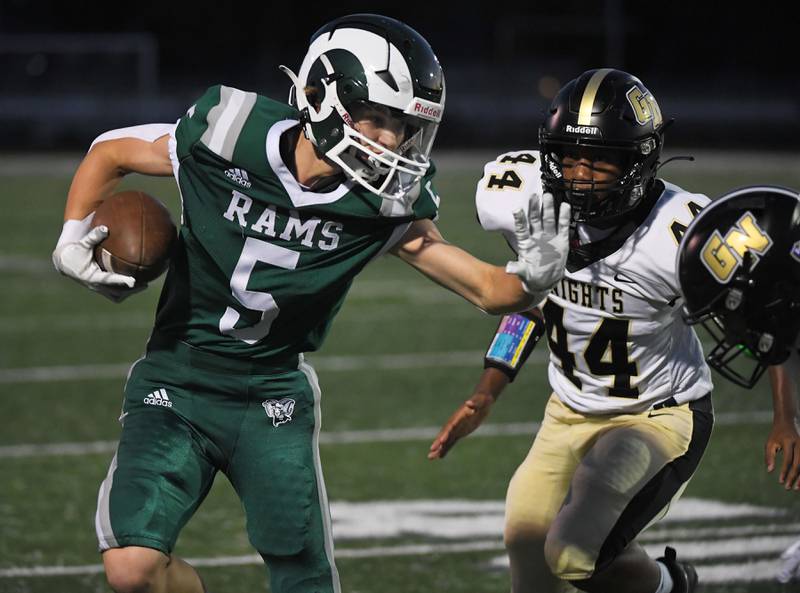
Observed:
{"x":542,"y":246}
{"x":74,"y":257}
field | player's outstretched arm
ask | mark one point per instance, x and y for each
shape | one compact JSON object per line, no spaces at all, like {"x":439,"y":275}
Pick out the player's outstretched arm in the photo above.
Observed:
{"x":471,"y":413}
{"x":488,"y":287}
{"x":107,"y":162}
{"x":784,"y":436}
{"x":542,"y":252}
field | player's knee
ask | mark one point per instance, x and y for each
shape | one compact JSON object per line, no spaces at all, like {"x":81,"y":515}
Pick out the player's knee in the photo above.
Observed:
{"x":134,"y":569}
{"x":568,"y":560}
{"x":524,"y":539}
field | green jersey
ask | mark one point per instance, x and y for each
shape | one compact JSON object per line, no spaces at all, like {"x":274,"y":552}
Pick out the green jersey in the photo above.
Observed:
{"x":263,"y":264}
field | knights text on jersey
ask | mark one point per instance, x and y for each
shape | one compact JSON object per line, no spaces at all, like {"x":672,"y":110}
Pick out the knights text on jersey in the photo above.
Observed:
{"x":263,"y":264}
{"x":617,"y":340}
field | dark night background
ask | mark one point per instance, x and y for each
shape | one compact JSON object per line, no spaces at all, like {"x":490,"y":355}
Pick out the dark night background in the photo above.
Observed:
{"x":729,"y":76}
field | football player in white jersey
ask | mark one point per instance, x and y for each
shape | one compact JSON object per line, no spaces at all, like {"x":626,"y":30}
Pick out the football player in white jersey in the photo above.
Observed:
{"x":630,"y":414}
{"x":739,"y":271}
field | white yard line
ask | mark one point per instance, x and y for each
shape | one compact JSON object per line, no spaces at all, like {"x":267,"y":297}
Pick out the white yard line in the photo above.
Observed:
{"x":760,"y":570}
{"x":389,"y":435}
{"x":254,"y":559}
{"x":331,"y":363}
{"x":476,"y":525}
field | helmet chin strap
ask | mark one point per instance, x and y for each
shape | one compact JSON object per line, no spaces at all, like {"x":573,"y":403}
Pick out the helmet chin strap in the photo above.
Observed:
{"x":302,"y":104}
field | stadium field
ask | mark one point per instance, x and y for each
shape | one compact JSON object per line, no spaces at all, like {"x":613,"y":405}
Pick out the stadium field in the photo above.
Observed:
{"x":401,"y":356}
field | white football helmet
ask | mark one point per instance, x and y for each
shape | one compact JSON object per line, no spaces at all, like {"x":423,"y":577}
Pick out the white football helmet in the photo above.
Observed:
{"x":366,"y":60}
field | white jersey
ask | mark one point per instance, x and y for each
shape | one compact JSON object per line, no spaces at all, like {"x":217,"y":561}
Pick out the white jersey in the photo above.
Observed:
{"x":617,"y":341}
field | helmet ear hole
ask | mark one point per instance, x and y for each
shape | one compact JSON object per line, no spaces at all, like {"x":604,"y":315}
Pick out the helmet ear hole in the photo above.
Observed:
{"x":313,"y":97}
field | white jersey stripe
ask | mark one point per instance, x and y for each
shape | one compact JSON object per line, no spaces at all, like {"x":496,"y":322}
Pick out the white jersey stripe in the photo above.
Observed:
{"x":226,"y":120}
{"x":324,"y":508}
{"x":102,"y":520}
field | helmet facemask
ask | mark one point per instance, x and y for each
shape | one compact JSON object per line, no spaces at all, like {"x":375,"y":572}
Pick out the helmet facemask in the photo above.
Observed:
{"x":748,"y":336}
{"x":600,"y":203}
{"x":389,"y":173}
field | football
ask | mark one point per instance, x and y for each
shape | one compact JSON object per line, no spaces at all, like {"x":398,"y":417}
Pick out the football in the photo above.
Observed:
{"x":141,"y":235}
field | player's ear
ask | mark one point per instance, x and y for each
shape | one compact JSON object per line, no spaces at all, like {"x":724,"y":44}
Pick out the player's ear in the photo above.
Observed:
{"x":312,"y":95}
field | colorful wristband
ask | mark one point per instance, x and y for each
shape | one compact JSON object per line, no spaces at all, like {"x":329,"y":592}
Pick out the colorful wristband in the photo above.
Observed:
{"x":514,"y":340}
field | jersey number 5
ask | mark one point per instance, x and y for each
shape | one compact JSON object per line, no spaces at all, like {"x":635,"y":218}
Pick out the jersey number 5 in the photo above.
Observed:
{"x":255,"y":251}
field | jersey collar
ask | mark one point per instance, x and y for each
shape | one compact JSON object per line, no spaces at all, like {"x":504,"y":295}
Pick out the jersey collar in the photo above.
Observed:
{"x":585,"y":255}
{"x":297,"y":193}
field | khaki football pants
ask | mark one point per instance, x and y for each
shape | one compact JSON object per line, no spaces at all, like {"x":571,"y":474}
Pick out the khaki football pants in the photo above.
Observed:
{"x":590,"y":484}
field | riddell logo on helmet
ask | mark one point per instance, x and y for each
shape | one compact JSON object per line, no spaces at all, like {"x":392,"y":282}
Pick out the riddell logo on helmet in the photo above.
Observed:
{"x":427,"y":111}
{"x":589,"y":130}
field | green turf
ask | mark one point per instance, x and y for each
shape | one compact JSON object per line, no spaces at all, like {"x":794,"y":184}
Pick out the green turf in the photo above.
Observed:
{"x":47,"y":502}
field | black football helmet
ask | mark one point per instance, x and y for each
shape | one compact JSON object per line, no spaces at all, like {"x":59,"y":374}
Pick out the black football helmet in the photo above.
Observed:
{"x":603,"y":115}
{"x":739,"y":271}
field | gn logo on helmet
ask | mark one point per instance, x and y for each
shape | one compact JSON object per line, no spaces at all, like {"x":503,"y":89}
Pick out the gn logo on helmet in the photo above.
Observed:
{"x":722,"y":256}
{"x":279,"y":410}
{"x":644,"y":107}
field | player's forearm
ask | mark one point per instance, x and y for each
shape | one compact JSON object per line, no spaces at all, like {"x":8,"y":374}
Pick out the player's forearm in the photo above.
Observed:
{"x":96,"y":178}
{"x":492,"y":382}
{"x":488,"y":287}
{"x":502,"y":293}
{"x":784,"y":394}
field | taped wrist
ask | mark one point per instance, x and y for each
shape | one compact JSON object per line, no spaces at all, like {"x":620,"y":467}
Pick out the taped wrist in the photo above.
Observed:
{"x":514,"y":340}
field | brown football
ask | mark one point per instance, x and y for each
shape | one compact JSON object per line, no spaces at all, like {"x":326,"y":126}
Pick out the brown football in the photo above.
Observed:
{"x":141,"y":235}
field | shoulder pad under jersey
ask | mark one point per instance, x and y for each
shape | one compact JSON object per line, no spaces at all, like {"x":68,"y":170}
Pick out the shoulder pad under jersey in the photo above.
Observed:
{"x":507,"y":185}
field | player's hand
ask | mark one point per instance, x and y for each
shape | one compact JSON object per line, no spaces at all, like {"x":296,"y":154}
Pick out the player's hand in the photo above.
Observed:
{"x":542,"y":246}
{"x":785,"y":438}
{"x":74,"y":257}
{"x":463,"y":421}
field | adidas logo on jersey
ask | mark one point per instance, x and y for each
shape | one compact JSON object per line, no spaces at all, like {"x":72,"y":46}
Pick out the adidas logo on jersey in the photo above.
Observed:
{"x":239,"y":176}
{"x":158,"y":398}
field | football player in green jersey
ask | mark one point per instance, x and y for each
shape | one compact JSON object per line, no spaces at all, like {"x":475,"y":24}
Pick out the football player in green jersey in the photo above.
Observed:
{"x":282,"y":205}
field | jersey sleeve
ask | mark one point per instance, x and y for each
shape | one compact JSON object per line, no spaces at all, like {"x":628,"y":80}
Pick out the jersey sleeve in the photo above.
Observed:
{"x":672,"y":222}
{"x":194,"y":122}
{"x":215,"y":120}
{"x":507,"y":185}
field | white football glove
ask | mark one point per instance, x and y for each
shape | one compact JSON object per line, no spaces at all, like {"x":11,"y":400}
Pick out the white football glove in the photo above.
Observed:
{"x":542,"y":246}
{"x":790,"y":564}
{"x":74,"y":257}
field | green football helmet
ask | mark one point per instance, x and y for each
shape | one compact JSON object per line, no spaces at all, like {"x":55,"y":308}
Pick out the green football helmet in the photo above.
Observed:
{"x":372,"y":62}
